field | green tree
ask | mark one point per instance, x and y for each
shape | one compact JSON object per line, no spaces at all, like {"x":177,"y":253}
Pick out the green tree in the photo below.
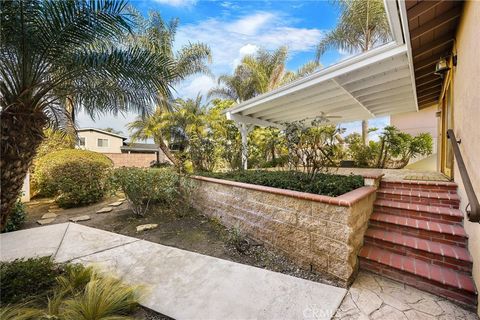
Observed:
{"x":158,"y":36}
{"x":56,"y":56}
{"x":363,"y":24}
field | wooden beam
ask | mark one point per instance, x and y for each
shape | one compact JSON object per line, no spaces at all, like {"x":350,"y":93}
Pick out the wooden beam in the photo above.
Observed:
{"x":425,"y":81}
{"x":427,"y":103}
{"x":434,"y":98}
{"x":427,"y":89}
{"x":428,"y":95}
{"x":424,"y":73}
{"x":432,"y":45}
{"x":425,"y":63}
{"x":436,"y":23}
{"x":420,"y":8}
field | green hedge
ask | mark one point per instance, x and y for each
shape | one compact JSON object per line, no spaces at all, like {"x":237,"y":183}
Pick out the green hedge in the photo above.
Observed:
{"x":324,"y":184}
{"x":74,"y":177}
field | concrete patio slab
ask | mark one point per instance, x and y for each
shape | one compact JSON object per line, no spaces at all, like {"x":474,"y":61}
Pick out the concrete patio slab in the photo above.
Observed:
{"x":187,"y":285}
{"x":80,"y":241}
{"x":179,"y":283}
{"x":36,"y":242}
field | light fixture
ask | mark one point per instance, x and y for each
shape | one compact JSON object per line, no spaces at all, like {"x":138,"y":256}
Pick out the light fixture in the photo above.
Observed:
{"x":441,"y":67}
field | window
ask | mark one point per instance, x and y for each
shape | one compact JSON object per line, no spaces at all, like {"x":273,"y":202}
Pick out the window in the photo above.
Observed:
{"x":102,"y":143}
{"x":81,"y":142}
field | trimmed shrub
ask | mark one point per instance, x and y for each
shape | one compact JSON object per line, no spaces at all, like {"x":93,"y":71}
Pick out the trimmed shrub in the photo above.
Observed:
{"x":27,"y":279}
{"x":144,"y":186}
{"x":322,"y":183}
{"x":74,"y":177}
{"x":17,"y":218}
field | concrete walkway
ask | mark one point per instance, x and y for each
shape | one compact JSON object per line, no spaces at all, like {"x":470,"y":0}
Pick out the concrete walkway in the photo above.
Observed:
{"x":178,"y":283}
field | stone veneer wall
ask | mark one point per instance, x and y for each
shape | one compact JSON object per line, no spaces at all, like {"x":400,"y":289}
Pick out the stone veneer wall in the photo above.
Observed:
{"x":316,"y":232}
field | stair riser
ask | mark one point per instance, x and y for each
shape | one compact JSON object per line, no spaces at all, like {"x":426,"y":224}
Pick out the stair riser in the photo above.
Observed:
{"x":419,"y":215}
{"x":465,"y":298}
{"x":454,"y":204}
{"x":424,"y":234}
{"x":436,"y":259}
{"x":413,"y":187}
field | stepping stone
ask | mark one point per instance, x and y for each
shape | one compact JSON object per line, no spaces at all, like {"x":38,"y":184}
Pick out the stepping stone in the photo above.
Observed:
{"x":80,"y":218}
{"x":49,"y":215}
{"x":105,"y":210}
{"x":145,"y":227}
{"x":43,"y":222}
{"x":122,"y":199}
{"x":55,"y":210}
{"x":115,"y":204}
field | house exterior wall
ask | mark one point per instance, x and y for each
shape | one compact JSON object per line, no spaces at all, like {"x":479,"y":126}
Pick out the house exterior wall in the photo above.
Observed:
{"x":466,"y":95}
{"x":415,"y":123}
{"x":114,"y":143}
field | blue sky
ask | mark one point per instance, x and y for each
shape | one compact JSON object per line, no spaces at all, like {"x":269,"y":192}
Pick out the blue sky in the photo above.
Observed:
{"x":233,"y":29}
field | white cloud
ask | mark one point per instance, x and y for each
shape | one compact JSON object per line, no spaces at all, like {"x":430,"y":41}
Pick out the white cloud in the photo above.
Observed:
{"x":250,"y":25}
{"x":190,"y":87}
{"x":177,"y":3}
{"x":229,"y":40}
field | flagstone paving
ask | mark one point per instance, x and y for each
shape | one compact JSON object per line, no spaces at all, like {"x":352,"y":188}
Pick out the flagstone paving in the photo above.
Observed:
{"x":374,"y":297}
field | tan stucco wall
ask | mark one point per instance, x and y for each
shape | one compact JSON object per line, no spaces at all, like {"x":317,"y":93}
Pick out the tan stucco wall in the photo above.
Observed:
{"x":418,"y":122}
{"x":467,"y":116}
{"x":91,"y":137}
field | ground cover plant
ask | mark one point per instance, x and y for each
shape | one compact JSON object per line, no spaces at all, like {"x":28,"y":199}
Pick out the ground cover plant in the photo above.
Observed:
{"x":74,"y":177}
{"x":322,"y":183}
{"x":38,"y":288}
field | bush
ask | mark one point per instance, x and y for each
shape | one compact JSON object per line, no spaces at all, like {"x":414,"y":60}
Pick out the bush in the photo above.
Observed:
{"x":144,"y":186}
{"x":17,"y":218}
{"x":322,"y":183}
{"x":25,"y":279}
{"x":74,"y":177}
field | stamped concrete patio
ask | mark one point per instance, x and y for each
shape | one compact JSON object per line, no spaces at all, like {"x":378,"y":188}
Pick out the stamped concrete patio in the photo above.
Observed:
{"x":187,"y":285}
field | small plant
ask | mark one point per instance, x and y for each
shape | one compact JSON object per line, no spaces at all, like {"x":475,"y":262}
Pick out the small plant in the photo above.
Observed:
{"x":17,"y":217}
{"x":74,"y":177}
{"x":145,"y":186}
{"x":238,"y":240}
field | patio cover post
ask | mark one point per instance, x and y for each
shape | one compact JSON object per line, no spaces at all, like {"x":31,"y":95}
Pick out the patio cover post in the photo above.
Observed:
{"x":244,"y":128}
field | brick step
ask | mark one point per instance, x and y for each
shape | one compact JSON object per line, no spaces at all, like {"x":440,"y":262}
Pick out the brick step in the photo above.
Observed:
{"x":435,"y":186}
{"x":420,"y":274}
{"x":419,"y":211}
{"x":443,"y":199}
{"x":430,"y":230}
{"x":441,"y":254}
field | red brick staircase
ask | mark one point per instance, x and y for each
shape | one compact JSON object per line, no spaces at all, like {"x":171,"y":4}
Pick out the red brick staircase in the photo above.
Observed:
{"x":416,"y":236}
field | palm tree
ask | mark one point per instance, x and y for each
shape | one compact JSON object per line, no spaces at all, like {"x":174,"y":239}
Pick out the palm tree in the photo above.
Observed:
{"x":56,"y":55}
{"x":158,"y":36}
{"x":259,"y":73}
{"x":363,"y":25}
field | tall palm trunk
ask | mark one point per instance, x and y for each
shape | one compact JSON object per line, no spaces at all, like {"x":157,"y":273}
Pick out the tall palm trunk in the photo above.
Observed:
{"x":21,"y":134}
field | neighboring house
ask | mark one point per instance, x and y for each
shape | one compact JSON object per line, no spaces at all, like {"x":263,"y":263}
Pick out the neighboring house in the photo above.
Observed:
{"x":99,"y":140}
{"x":115,"y":146}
